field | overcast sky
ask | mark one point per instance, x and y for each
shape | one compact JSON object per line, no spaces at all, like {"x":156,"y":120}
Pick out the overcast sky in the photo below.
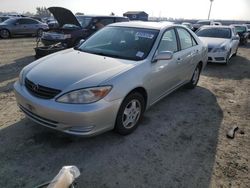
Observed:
{"x":222,"y":9}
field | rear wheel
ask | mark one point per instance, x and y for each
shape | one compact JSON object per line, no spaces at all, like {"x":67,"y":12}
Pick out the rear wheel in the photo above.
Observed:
{"x":130,"y":113}
{"x":4,"y":33}
{"x":236,"y":51}
{"x":228,"y":57}
{"x":195,"y":78}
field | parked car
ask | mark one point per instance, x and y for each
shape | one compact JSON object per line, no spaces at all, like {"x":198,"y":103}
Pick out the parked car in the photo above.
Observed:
{"x":74,"y":28}
{"x":217,"y":23}
{"x":242,"y":31}
{"x":188,"y":25}
{"x":110,"y":79}
{"x":248,"y":30}
{"x":201,"y":23}
{"x":222,"y":42}
{"x":21,"y":26}
{"x":3,"y":18}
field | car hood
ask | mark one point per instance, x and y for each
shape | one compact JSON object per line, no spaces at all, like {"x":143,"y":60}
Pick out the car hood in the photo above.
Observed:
{"x":64,"y":16}
{"x":72,"y":69}
{"x":213,"y":42}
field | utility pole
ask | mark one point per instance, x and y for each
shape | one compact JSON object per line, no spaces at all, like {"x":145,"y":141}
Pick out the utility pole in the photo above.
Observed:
{"x":211,"y":2}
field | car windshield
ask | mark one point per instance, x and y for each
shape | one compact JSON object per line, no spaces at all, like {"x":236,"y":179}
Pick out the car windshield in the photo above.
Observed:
{"x":83,"y":20}
{"x":121,"y":42}
{"x":240,"y":29}
{"x":214,"y":32}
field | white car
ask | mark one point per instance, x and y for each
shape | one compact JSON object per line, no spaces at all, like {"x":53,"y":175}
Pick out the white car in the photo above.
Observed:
{"x":222,"y":41}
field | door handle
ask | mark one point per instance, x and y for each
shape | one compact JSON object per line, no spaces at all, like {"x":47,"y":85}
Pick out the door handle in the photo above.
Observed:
{"x":179,"y":60}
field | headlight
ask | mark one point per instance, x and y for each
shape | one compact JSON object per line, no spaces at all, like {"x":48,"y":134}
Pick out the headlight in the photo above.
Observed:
{"x":220,"y":49}
{"x":84,"y":96}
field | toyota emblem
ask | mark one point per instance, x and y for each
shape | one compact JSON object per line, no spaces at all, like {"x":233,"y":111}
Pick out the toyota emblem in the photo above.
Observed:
{"x":35,"y":87}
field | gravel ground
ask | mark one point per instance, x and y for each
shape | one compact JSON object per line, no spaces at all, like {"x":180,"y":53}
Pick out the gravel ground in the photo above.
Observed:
{"x":181,"y":141}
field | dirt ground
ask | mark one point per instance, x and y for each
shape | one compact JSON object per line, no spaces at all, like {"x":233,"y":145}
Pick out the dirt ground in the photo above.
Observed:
{"x":180,"y":143}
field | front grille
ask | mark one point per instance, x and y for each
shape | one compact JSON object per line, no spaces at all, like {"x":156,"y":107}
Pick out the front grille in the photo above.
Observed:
{"x":41,"y":91}
{"x":219,"y":58}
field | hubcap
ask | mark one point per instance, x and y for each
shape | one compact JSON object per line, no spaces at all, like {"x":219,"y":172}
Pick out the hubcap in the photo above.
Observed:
{"x":131,"y":114}
{"x":4,"y":34}
{"x":196,"y":75}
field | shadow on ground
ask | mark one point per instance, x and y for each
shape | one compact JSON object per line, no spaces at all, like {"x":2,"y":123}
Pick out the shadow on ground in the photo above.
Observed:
{"x":174,"y":146}
{"x":237,"y":69}
{"x":11,"y":71}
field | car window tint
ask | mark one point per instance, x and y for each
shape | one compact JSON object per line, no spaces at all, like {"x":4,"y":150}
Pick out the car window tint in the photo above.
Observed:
{"x":106,"y":21}
{"x":185,"y":38}
{"x":27,"y":21}
{"x":168,"y":42}
{"x":121,"y":20}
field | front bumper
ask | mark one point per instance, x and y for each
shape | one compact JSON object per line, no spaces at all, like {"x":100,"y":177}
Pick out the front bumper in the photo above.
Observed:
{"x":217,"y":57}
{"x":76,"y":119}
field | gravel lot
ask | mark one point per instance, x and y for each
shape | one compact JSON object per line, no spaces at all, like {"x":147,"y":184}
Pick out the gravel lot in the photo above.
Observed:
{"x":180,"y":143}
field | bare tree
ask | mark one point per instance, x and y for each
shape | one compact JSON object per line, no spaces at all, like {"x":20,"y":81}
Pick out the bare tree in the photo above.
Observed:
{"x":42,"y":12}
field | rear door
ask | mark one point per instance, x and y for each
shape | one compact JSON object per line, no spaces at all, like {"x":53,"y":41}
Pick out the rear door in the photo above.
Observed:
{"x":187,"y":56}
{"x":30,"y":26}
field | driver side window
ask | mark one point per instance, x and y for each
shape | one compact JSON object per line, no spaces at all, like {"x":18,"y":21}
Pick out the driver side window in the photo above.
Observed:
{"x":168,"y":42}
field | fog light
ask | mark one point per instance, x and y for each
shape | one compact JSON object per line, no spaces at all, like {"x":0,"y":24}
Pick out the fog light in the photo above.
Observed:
{"x":81,"y":128}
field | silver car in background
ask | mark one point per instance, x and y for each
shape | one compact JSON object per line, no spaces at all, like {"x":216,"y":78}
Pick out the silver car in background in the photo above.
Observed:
{"x":222,"y":41}
{"x":111,"y":79}
{"x":21,"y":26}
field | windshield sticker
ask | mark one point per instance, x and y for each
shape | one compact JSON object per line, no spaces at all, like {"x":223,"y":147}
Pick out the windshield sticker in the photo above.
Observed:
{"x":139,"y":54}
{"x":144,"y":35}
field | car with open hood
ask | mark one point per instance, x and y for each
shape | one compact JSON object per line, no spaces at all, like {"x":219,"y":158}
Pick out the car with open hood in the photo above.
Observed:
{"x":242,"y":31}
{"x":222,"y":42}
{"x":111,"y":79}
{"x":71,"y":29}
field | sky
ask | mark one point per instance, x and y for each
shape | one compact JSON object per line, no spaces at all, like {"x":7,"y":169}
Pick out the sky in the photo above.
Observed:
{"x":189,"y":9}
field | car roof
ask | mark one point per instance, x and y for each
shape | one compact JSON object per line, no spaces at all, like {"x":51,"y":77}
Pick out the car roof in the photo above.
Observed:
{"x":142,"y":24}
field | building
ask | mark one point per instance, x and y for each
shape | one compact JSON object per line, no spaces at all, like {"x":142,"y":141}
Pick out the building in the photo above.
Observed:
{"x":136,"y":15}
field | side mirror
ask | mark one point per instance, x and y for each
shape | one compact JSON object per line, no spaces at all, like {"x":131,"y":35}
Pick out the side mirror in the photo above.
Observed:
{"x":79,"y":44}
{"x":165,"y":55}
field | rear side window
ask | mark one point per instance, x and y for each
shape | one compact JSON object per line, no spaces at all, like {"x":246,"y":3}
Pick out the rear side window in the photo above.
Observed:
{"x":168,"y":42}
{"x":186,"y":41}
{"x":27,"y":21}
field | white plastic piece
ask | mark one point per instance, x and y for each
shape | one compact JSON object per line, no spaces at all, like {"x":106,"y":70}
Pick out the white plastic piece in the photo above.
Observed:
{"x":65,"y":177}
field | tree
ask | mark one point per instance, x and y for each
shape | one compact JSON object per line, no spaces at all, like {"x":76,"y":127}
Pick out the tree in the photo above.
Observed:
{"x":42,"y":12}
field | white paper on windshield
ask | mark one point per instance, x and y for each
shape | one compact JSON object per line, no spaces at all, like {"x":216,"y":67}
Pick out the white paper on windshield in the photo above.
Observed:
{"x":144,"y":35}
{"x":139,"y":54}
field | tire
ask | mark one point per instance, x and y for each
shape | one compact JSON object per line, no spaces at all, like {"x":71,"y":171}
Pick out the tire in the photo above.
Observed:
{"x":235,"y":54}
{"x":228,"y":58}
{"x":4,"y":33}
{"x":195,"y":77}
{"x":39,"y":32}
{"x":130,"y":113}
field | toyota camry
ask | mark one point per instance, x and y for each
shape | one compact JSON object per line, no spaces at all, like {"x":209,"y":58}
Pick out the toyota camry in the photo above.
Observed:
{"x":109,"y":80}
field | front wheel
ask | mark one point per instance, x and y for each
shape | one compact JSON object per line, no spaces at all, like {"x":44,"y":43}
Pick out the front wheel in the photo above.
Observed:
{"x":4,"y":33}
{"x":130,"y":113}
{"x":195,"y":78}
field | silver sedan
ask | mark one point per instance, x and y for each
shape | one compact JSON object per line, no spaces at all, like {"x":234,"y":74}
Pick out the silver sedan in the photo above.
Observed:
{"x":109,"y":80}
